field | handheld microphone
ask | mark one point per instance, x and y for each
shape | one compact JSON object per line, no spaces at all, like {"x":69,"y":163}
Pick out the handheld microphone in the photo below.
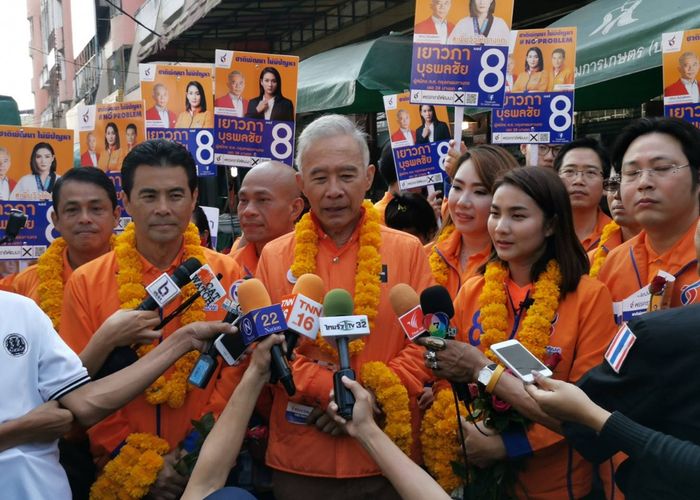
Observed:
{"x":406,"y":305}
{"x":438,"y":310}
{"x":302,"y":309}
{"x":160,"y":292}
{"x":260,"y":320}
{"x":338,"y":324}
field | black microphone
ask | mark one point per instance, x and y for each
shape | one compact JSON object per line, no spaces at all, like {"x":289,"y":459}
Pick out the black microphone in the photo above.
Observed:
{"x":123,"y":356}
{"x":438,"y":310}
{"x":339,"y":325}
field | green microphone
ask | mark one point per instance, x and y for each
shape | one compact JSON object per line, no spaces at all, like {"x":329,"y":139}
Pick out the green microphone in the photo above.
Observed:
{"x":339,"y":325}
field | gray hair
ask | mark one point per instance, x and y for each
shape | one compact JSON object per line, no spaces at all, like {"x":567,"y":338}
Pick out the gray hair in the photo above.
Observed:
{"x":331,"y":126}
{"x":687,"y":55}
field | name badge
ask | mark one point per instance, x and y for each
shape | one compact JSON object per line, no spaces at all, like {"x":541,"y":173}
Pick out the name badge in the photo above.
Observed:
{"x":297,"y":413}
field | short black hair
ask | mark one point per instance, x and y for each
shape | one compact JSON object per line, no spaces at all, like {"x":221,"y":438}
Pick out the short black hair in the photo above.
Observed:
{"x":387,"y":167}
{"x":88,"y":175}
{"x":199,"y":219}
{"x":132,"y":126}
{"x":157,"y":153}
{"x":585,"y":143}
{"x":682,"y":131}
{"x":411,"y":210}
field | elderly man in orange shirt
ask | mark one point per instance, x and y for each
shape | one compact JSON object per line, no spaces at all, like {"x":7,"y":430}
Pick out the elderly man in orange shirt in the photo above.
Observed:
{"x":341,"y":241}
{"x":269,"y":203}
{"x":659,"y":161}
{"x":159,"y":180}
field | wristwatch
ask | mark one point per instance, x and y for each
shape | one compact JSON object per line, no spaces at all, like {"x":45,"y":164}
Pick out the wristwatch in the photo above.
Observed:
{"x":486,"y":373}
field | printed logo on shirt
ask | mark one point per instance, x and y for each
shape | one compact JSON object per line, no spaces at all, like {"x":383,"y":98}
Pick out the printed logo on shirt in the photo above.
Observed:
{"x":15,"y":344}
{"x":475,"y":330}
{"x":689,"y":293}
{"x":384,"y":275}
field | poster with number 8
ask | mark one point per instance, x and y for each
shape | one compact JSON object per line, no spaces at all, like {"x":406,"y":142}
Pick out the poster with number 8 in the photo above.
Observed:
{"x":179,"y":107}
{"x":539,"y":104}
{"x":420,"y":135}
{"x":254,"y":107}
{"x":460,"y":51}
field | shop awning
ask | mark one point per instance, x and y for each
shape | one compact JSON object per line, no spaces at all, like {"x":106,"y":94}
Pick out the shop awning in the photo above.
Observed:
{"x":618,"y":59}
{"x":352,"y":79}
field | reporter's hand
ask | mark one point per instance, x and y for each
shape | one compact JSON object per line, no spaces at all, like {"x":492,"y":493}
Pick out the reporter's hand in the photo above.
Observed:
{"x":200,"y":333}
{"x":453,"y":154}
{"x":169,"y":484}
{"x":129,"y":326}
{"x":363,"y":411}
{"x":48,"y":422}
{"x":435,"y":200}
{"x":458,"y":362}
{"x":261,"y":358}
{"x":566,"y":402}
{"x":324,"y":421}
{"x":426,"y":398}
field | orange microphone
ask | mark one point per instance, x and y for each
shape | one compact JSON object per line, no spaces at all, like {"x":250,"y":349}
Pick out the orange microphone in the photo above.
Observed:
{"x":406,"y":305}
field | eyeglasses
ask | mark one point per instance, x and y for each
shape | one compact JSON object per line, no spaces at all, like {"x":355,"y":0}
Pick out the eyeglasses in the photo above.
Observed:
{"x":544,"y":150}
{"x":660,"y":171}
{"x":590,"y":174}
{"x":612,"y":185}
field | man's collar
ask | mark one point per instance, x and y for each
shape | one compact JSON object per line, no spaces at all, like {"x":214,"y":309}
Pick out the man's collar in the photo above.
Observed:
{"x":437,"y":20}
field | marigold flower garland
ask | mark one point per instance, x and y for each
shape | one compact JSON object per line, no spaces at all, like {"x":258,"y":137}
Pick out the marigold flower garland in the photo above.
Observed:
{"x":369,"y":266}
{"x":50,"y":272}
{"x":131,"y":473}
{"x":392,"y":397}
{"x":438,"y":265}
{"x":174,"y":389}
{"x":440,"y":441}
{"x":535,"y":328}
{"x":601,"y":253}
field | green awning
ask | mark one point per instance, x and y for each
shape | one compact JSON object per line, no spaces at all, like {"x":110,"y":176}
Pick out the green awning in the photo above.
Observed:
{"x":618,"y":55}
{"x":353,"y":78}
{"x":9,"y":113}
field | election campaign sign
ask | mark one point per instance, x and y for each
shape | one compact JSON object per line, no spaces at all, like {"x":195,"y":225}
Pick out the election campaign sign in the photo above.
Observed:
{"x":681,"y":53}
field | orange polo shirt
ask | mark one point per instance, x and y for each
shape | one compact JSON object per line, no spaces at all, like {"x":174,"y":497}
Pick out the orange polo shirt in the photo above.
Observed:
{"x":27,"y":281}
{"x":381,"y":205}
{"x":582,"y":329}
{"x":247,"y":258}
{"x":303,"y":449}
{"x":591,"y":241}
{"x":565,"y":77}
{"x":90,"y":297}
{"x":633,"y":265}
{"x":449,"y":250}
{"x":614,"y":241}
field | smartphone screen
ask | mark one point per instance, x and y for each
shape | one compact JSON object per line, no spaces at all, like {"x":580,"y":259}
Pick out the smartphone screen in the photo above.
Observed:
{"x":230,"y":346}
{"x":520,"y":359}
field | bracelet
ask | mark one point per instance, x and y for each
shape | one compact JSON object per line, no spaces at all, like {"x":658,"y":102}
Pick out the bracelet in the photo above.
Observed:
{"x":495,"y":377}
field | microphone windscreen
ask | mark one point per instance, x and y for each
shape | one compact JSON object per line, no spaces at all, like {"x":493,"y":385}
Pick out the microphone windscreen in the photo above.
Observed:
{"x":437,"y":299}
{"x":182,"y":274}
{"x":403,"y":298}
{"x":311,"y":286}
{"x":252,"y":295}
{"x":338,"y":302}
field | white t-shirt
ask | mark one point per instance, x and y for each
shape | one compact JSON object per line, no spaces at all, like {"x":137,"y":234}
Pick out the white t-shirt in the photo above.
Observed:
{"x":36,"y":366}
{"x":465,"y":34}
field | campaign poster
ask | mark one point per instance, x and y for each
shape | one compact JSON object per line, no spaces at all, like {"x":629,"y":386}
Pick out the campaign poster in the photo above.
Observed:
{"x":31,"y":160}
{"x":179,"y":107}
{"x":539,"y":105}
{"x":681,"y":58}
{"x":255,"y":106}
{"x":460,"y":52}
{"x":107,"y":133}
{"x":420,"y":136}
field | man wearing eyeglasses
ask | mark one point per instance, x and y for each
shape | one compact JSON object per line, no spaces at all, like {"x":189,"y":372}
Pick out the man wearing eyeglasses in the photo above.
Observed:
{"x":582,"y":165}
{"x":545,"y":154}
{"x":658,"y":161}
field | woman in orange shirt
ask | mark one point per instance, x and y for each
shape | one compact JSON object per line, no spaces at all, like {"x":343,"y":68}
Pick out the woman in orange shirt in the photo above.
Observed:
{"x":533,"y":79}
{"x":111,"y":159}
{"x":464,"y":243}
{"x":196,"y":114}
{"x":534,"y":289}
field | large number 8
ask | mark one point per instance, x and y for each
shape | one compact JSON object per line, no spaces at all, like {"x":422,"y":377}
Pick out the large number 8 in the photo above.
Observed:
{"x":488,"y":69}
{"x":556,"y":113}
{"x":443,"y":148}
{"x":204,"y":146}
{"x":281,"y":140}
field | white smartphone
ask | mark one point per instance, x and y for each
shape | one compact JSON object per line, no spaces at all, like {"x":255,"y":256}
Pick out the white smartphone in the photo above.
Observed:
{"x":521,"y":361}
{"x":231,"y":347}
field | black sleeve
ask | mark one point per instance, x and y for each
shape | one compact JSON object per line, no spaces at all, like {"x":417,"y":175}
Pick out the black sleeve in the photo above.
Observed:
{"x":251,"y":112}
{"x":419,"y":136}
{"x":677,"y":461}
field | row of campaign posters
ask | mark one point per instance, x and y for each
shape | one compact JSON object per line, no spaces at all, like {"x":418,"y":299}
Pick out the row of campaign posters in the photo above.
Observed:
{"x":240,"y":110}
